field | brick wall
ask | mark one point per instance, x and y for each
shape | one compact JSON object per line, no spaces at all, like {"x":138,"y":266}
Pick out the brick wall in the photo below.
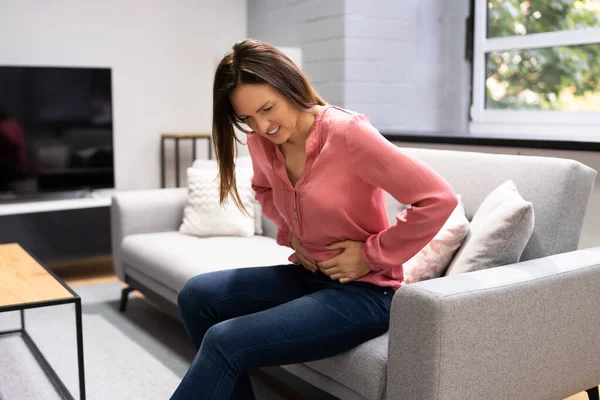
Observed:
{"x":400,"y":62}
{"x":315,"y":26}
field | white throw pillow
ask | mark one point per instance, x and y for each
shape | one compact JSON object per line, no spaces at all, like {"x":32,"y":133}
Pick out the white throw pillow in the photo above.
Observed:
{"x":203,"y":215}
{"x":434,"y":258}
{"x":500,"y":231}
{"x":241,"y":162}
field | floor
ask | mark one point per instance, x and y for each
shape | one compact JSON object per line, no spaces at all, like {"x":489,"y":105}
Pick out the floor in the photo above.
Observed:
{"x":99,"y":270}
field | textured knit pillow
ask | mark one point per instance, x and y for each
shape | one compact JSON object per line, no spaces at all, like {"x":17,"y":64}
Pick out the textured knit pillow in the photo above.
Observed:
{"x":434,"y":258}
{"x":203,"y":215}
{"x":240,"y":162}
{"x":499,"y":232}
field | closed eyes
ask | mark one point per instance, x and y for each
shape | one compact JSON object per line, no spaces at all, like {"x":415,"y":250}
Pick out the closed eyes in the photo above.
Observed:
{"x":242,"y":119}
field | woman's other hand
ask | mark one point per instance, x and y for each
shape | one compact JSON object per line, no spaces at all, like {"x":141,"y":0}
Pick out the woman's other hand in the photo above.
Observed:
{"x":304,"y":259}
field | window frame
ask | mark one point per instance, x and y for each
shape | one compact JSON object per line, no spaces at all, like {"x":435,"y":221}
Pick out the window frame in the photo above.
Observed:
{"x":579,"y":125}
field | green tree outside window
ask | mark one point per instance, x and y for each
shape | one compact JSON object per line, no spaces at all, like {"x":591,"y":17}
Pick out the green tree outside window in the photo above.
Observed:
{"x":553,"y":78}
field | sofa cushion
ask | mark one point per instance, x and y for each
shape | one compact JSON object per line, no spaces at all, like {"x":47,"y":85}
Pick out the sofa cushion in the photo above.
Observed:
{"x":499,"y":232}
{"x":172,"y":257}
{"x":362,"y":369}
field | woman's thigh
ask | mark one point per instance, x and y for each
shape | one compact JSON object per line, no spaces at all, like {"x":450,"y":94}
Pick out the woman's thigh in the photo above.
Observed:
{"x":315,"y":326}
{"x":226,"y":294}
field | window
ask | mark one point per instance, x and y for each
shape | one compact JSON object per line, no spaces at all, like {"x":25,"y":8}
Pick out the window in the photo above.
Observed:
{"x":536,"y":70}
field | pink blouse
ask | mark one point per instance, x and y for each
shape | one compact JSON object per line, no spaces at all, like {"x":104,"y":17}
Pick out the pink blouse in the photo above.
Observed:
{"x":340,"y":195}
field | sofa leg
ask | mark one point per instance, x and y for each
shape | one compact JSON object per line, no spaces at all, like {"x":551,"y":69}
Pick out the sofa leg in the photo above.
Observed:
{"x":593,"y":393}
{"x":124,"y":297}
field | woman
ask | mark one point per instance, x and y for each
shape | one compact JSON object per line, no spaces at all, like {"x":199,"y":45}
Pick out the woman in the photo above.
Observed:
{"x":320,"y":173}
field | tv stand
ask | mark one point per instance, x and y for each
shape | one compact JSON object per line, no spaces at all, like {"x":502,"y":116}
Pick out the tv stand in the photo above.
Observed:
{"x":59,"y":229}
{"x":11,"y":198}
{"x":11,"y":204}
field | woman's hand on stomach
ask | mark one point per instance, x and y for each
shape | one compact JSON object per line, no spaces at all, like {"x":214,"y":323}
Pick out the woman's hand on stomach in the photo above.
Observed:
{"x":346,"y":266}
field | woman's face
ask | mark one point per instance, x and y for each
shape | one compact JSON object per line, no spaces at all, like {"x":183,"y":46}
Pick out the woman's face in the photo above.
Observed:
{"x":265,"y":111}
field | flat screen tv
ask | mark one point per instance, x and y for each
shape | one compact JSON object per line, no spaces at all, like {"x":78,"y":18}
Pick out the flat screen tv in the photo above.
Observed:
{"x":56,"y":130}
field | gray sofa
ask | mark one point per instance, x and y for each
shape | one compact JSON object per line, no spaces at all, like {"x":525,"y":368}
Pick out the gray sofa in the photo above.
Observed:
{"x":522,"y":331}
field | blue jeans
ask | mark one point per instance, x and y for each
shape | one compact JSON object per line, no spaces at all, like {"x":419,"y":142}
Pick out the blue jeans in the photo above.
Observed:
{"x":246,"y":318}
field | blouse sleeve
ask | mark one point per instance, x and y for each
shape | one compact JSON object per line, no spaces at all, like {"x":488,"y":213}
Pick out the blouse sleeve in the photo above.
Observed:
{"x":410,"y":181}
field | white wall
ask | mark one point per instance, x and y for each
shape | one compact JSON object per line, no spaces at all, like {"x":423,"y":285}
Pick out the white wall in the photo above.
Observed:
{"x":162,"y":54}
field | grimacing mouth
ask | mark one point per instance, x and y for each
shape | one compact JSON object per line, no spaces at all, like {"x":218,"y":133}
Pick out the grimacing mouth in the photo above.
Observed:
{"x":274,"y":130}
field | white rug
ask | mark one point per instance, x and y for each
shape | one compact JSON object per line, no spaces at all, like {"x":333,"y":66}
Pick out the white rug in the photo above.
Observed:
{"x":142,"y":354}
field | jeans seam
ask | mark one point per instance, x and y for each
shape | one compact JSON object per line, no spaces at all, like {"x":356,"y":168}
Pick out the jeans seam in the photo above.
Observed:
{"x":327,"y":305}
{"x":220,"y":380}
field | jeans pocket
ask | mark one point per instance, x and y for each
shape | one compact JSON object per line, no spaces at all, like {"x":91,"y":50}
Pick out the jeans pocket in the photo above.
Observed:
{"x":377,"y":298}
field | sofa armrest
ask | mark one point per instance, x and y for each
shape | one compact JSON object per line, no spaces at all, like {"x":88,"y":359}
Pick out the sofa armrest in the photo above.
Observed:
{"x":144,"y":211}
{"x":527,"y":330}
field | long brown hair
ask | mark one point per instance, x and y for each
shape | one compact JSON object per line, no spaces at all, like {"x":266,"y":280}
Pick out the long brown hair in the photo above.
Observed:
{"x":251,"y":62}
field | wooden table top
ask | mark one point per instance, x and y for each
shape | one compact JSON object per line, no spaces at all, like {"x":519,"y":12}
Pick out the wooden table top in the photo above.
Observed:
{"x":23,"y":280}
{"x":184,"y":135}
